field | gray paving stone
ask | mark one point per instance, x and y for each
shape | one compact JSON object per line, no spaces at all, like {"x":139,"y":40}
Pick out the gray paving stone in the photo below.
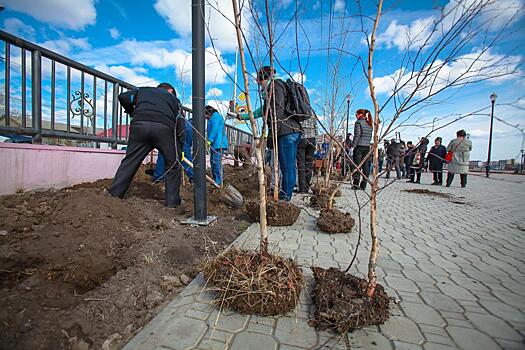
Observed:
{"x":471,"y":339}
{"x":294,"y":332}
{"x":399,"y":345}
{"x":441,"y":302}
{"x":229,"y":321}
{"x":503,"y":311}
{"x":456,"y":291}
{"x":184,"y":333}
{"x":369,"y":340}
{"x":421,"y":313}
{"x":510,"y":345}
{"x":494,"y":326}
{"x":401,"y":284}
{"x":402,"y":329}
{"x":253,"y":341}
{"x":435,"y":346}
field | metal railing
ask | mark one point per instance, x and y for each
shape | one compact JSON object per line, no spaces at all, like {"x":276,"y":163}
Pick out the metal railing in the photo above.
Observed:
{"x":80,"y":103}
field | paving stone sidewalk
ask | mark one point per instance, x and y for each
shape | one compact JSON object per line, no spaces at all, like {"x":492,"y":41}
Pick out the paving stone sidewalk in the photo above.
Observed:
{"x":455,"y":265}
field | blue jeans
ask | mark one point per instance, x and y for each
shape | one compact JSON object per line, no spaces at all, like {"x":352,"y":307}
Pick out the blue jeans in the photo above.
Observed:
{"x":188,"y":169}
{"x":287,"y":148}
{"x":216,"y":164}
{"x":158,"y":175}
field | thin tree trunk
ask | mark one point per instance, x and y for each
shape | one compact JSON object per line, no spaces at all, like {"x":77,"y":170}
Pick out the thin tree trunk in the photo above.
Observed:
{"x":372,"y":261}
{"x":259,"y":141}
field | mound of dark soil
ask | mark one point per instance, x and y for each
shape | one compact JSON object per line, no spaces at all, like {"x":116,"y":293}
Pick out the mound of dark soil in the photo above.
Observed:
{"x":247,"y":282}
{"x":318,"y":189}
{"x":335,"y":221}
{"x":77,"y":265}
{"x":279,"y":213}
{"x":319,"y":201}
{"x":341,"y":303}
{"x":428,"y":192}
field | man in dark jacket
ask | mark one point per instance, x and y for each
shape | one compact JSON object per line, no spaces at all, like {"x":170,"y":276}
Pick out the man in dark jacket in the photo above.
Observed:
{"x":154,"y":124}
{"x":393,"y":151}
{"x":305,"y":154}
{"x":286,"y":129}
{"x":418,"y":160}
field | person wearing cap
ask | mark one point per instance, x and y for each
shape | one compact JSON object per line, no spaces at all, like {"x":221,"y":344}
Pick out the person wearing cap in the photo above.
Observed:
{"x":154,"y":124}
{"x":287,"y":129}
{"x":217,"y":140}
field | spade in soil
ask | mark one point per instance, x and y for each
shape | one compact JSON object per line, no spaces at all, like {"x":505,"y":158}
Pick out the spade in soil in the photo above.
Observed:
{"x":335,"y":221}
{"x":280,"y":213}
{"x":342,"y":304}
{"x":249,"y":282}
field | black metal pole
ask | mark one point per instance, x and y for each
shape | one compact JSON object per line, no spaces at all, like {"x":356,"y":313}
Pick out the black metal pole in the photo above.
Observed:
{"x":200,"y":203}
{"x":487,"y":169}
{"x":345,"y":161}
{"x":36,"y":94}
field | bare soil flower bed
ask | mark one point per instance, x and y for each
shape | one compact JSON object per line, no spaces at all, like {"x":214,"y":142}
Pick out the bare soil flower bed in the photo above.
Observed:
{"x":280,"y":213}
{"x":247,"y":282}
{"x":341,"y":303}
{"x":335,"y":221}
{"x":428,"y":192}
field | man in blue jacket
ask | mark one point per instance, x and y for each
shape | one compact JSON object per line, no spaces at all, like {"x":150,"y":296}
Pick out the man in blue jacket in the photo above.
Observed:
{"x":217,"y":140}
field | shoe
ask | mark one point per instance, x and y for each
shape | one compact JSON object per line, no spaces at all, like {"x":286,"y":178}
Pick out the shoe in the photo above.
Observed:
{"x":434,"y":183}
{"x":411,"y":181}
{"x":463,"y":186}
{"x":448,"y":185}
{"x":354,"y":187}
{"x":398,"y":178}
{"x":417,"y":182}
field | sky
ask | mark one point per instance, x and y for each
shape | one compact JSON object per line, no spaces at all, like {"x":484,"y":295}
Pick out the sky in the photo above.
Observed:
{"x":321,"y":43}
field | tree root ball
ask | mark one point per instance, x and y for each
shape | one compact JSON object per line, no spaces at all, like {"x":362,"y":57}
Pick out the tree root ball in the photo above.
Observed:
{"x":248,"y":282}
{"x":319,"y":201}
{"x":318,"y":189}
{"x":341,"y":303}
{"x":279,"y":213}
{"x":335,"y":221}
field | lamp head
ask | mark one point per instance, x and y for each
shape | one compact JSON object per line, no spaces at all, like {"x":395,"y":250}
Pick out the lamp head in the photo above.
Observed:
{"x":493,"y":97}
{"x":348,"y":97}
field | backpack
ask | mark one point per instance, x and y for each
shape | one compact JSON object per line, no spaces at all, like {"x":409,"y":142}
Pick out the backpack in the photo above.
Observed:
{"x":297,"y":102}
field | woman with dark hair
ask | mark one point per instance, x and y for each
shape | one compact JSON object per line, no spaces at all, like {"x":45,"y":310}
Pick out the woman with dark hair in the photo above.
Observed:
{"x":418,"y":162}
{"x":217,"y":140}
{"x":460,"y":148}
{"x":435,"y":159}
{"x":361,"y":145}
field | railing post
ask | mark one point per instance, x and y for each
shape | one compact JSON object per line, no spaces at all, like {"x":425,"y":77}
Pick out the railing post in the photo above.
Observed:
{"x":36,"y":94}
{"x":114,"y":114}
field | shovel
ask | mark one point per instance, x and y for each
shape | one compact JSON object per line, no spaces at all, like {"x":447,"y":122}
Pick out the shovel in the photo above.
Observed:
{"x":229,"y":194}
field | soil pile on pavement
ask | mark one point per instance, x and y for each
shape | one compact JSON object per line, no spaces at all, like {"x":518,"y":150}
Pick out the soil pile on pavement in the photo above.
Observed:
{"x":335,"y":221}
{"x":78,"y":267}
{"x":248,"y":282}
{"x":280,"y":213}
{"x":319,"y":201}
{"x":428,"y":192}
{"x":341,"y":303}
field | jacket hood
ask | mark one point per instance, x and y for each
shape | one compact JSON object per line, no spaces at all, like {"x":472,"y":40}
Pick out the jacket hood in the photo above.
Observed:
{"x":424,"y":141}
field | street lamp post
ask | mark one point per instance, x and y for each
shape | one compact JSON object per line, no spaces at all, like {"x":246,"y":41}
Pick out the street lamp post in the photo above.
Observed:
{"x":345,"y":161}
{"x":493,"y":97}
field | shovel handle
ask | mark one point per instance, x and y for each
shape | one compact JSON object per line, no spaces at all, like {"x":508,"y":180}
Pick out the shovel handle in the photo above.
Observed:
{"x":210,"y":180}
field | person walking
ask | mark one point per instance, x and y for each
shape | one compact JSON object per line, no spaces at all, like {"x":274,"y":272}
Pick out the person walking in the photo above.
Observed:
{"x":435,"y":160}
{"x":154,"y":124}
{"x":287,"y":129}
{"x":361,"y":147}
{"x":460,"y":148}
{"x":418,"y":161}
{"x":218,"y":142}
{"x":305,"y":154}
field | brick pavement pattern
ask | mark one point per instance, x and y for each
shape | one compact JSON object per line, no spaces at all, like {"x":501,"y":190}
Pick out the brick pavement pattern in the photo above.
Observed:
{"x":456,"y":268}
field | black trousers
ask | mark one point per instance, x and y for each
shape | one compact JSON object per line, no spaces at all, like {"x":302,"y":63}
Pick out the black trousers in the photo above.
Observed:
{"x":462,"y":177}
{"x":393,"y":162}
{"x":437,"y":177}
{"x":305,"y":163}
{"x":145,"y":136}
{"x":360,"y":152}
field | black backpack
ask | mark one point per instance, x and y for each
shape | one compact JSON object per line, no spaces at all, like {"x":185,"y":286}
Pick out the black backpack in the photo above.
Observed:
{"x":297,"y":102}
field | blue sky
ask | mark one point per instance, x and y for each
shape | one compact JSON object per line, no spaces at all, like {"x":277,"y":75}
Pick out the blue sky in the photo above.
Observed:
{"x":146,"y":42}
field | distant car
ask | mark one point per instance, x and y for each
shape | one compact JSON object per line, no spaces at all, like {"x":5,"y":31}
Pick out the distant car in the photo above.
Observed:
{"x":16,"y":138}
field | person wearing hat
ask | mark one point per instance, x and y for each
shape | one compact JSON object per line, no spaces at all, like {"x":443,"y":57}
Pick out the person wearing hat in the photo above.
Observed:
{"x":435,"y":159}
{"x":217,"y":140}
{"x":154,"y":124}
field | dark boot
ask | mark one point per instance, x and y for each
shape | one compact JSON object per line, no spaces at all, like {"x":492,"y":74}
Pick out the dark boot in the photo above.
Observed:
{"x":450,"y":177}
{"x":363,"y":185}
{"x":463,"y":178}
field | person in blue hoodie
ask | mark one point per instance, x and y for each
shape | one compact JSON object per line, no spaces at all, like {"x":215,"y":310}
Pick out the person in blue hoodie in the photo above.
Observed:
{"x":217,"y":140}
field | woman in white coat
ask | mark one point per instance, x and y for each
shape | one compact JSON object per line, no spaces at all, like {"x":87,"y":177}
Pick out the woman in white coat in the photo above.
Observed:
{"x":460,"y":147}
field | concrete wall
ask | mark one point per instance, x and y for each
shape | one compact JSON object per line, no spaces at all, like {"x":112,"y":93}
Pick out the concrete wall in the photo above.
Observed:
{"x":26,"y":167}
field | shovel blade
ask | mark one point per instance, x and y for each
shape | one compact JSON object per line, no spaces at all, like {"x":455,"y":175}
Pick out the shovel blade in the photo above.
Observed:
{"x":232,"y":197}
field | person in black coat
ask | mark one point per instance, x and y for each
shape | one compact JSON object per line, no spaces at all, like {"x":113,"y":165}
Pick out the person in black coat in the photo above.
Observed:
{"x":435,"y":159}
{"x":418,"y":160}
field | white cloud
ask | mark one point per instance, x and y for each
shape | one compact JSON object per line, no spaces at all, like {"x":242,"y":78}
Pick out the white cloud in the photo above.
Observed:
{"x":339,"y":5}
{"x":64,"y":13}
{"x":467,"y":68}
{"x":219,"y":19}
{"x":65,"y":45}
{"x":423,"y":32}
{"x":214,"y":92}
{"x":298,"y":77}
{"x":115,"y":33}
{"x":133,"y":76}
{"x":19,"y":28}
